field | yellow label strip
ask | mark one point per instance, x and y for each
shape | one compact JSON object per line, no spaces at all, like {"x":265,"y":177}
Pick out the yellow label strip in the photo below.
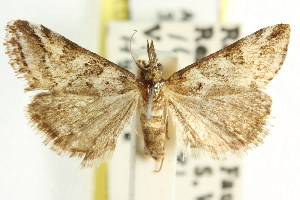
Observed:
{"x":110,"y":10}
{"x":118,"y":10}
{"x":224,"y":10}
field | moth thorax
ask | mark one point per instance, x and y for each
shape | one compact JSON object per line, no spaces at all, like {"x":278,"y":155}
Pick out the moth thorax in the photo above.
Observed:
{"x":151,"y":72}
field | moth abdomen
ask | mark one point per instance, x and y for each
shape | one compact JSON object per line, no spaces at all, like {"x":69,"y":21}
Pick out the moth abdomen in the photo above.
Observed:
{"x":154,"y":127}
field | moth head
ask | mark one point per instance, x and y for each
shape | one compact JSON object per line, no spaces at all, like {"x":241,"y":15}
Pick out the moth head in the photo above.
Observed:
{"x":151,"y":70}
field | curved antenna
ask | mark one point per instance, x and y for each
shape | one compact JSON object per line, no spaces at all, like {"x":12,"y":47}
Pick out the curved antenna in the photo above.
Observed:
{"x":136,"y":62}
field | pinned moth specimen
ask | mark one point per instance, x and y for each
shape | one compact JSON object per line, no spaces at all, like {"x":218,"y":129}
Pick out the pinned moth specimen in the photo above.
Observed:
{"x":215,"y":103}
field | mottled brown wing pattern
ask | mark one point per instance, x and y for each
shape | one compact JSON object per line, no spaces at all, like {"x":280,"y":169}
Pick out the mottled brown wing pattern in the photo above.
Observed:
{"x":250,"y":62}
{"x":83,"y":126}
{"x":220,"y":124}
{"x":217,"y":103}
{"x":89,"y":98}
{"x":49,"y":61}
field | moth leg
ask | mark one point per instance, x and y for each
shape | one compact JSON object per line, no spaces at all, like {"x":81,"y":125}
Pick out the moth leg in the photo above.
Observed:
{"x":161,"y":164}
{"x":167,"y":135}
{"x":166,"y":121}
{"x":150,"y":102}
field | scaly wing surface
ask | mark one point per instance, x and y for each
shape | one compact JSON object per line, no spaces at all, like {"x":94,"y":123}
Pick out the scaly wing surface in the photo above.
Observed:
{"x":88,"y":99}
{"x":217,"y":102}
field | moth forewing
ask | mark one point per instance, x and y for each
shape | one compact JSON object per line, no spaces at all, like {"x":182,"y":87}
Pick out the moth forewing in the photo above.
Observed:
{"x":250,"y":62}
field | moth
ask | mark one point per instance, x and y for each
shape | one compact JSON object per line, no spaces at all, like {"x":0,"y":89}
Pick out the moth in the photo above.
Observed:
{"x":85,"y":101}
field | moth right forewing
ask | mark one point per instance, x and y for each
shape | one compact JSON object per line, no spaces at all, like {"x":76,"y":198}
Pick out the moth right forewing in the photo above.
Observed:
{"x":250,"y":62}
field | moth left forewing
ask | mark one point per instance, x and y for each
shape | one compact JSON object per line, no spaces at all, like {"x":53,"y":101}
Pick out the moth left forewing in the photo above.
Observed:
{"x":49,"y":61}
{"x":216,"y":102}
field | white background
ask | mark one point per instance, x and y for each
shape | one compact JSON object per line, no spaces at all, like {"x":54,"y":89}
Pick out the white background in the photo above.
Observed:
{"x":272,"y":170}
{"x":28,"y":170}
